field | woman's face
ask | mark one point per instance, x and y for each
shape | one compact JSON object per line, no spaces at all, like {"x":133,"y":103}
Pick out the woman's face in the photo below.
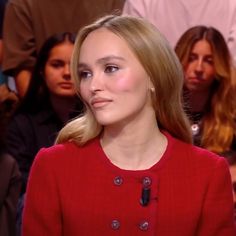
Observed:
{"x":113,"y":82}
{"x":57,"y":71}
{"x":200,"y":70}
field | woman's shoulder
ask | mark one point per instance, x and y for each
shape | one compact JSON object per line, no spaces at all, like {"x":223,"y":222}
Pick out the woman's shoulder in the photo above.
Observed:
{"x":69,"y":150}
{"x":66,"y":156}
{"x":190,"y":162}
{"x":205,"y":156}
{"x":193,"y":154}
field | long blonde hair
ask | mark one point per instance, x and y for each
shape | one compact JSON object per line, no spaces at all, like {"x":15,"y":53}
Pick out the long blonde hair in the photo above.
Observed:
{"x":218,"y":122}
{"x":160,"y":63}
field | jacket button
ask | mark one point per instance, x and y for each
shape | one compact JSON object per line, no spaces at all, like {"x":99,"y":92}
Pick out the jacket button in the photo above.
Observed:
{"x":147,"y":182}
{"x":115,"y":224}
{"x":143,"y":226}
{"x":118,"y":180}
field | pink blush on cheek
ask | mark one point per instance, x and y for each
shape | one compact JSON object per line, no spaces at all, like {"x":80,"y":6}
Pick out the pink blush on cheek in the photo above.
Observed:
{"x":127,"y":84}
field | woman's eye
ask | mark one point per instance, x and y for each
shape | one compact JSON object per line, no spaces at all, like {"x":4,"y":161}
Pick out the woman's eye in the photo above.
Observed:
{"x":111,"y":68}
{"x":209,"y":60}
{"x":191,"y":58}
{"x":57,"y":64}
{"x":84,"y":74}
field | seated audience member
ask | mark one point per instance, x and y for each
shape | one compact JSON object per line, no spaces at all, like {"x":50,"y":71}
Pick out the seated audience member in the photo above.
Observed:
{"x":10,"y":178}
{"x":209,"y":91}
{"x":50,"y":102}
{"x":127,"y":165}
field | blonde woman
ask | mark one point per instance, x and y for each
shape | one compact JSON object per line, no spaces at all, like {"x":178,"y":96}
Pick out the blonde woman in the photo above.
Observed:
{"x":127,"y":165}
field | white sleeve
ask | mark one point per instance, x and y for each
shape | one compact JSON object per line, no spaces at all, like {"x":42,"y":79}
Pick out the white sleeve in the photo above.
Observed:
{"x":136,"y":7}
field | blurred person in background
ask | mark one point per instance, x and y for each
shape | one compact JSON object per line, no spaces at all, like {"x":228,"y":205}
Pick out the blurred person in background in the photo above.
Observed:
{"x":209,"y":92}
{"x":209,"y":88}
{"x":49,"y":103}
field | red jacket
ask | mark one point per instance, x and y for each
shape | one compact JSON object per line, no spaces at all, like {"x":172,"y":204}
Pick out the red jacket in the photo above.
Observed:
{"x":77,"y":191}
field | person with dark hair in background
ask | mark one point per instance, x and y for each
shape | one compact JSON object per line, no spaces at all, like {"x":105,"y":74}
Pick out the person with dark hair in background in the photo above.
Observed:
{"x":49,"y":103}
{"x":209,"y":88}
{"x":127,"y":165}
{"x":28,"y":23}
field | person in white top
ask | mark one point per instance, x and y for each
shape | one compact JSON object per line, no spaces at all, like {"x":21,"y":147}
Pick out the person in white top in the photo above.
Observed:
{"x":173,"y":18}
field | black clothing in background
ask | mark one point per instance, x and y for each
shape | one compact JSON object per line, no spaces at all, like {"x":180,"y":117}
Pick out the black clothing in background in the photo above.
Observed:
{"x":27,"y":133}
{"x":10,"y":184}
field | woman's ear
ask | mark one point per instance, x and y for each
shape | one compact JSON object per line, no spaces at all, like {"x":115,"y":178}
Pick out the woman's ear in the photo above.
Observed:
{"x":151,"y":86}
{"x":152,"y":89}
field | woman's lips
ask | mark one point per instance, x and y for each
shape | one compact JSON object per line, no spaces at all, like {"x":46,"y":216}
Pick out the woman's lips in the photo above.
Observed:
{"x":66,"y":85}
{"x":100,"y":102}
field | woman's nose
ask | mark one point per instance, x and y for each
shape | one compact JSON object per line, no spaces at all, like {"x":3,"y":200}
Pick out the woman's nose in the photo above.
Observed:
{"x":66,"y":72}
{"x":199,"y":68}
{"x":199,"y":65}
{"x":96,"y":83}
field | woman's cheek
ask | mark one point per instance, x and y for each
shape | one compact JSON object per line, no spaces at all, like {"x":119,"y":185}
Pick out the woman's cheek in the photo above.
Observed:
{"x":126,"y":84}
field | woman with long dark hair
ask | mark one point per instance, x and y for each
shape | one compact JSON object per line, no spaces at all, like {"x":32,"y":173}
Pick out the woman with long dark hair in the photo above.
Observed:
{"x":49,"y":103}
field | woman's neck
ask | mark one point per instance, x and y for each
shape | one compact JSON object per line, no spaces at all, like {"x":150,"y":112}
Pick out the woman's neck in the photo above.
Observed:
{"x":135,"y":146}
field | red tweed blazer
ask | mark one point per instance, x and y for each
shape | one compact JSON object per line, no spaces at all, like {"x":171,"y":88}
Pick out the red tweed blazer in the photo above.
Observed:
{"x":77,"y":191}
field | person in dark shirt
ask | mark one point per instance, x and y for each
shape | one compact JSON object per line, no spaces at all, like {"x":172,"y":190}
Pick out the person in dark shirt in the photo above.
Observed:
{"x":50,"y":102}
